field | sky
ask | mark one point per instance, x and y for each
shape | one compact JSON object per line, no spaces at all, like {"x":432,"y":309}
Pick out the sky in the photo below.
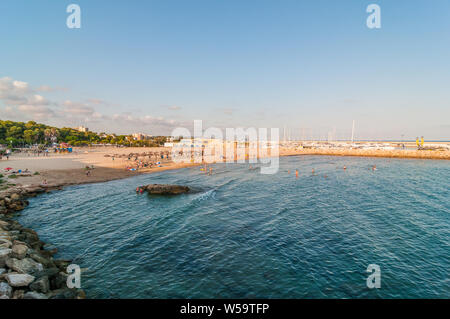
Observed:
{"x":150,"y":66}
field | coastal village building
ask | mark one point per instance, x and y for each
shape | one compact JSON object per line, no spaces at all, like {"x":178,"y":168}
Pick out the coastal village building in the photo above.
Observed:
{"x":82,"y":129}
{"x":141,"y":136}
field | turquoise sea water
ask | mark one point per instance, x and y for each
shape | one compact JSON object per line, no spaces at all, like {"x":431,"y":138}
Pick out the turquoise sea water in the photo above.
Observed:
{"x":242,"y":234}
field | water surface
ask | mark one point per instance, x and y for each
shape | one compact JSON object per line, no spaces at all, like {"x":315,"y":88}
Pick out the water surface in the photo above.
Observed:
{"x":246,"y":235}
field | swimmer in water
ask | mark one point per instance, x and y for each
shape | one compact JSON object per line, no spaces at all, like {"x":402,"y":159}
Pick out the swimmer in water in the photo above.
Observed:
{"x":296,"y":173}
{"x":289,"y":171}
{"x":374,"y":168}
{"x":345,"y":167}
{"x":313,"y":171}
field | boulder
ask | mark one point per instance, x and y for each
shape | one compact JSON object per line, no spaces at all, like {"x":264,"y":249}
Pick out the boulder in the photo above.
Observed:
{"x":5,"y":290}
{"x":2,"y":271}
{"x":24,"y":266}
{"x":4,"y":243}
{"x":165,"y":189}
{"x":40,"y":259}
{"x":59,"y":281}
{"x":41,"y":285}
{"x":15,"y":197}
{"x":19,"y":251}
{"x":18,"y":294}
{"x":4,"y":254}
{"x":19,"y":280}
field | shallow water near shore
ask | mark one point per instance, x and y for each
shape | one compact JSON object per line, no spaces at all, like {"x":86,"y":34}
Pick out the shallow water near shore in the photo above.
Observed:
{"x":247,"y":235}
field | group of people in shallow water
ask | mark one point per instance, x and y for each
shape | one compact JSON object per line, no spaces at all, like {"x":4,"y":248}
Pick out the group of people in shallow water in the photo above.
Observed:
{"x":139,"y":190}
{"x":206,"y":170}
{"x":313,"y":171}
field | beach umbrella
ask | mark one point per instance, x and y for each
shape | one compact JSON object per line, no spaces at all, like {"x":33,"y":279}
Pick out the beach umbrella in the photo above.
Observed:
{"x":8,"y":168}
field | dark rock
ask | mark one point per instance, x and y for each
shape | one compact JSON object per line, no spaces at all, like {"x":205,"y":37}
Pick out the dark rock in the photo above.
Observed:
{"x":165,"y":189}
{"x":63,"y":293}
{"x":41,"y":285}
{"x":42,"y":260}
{"x":62,"y":264}
{"x":48,"y":272}
{"x":59,"y":281}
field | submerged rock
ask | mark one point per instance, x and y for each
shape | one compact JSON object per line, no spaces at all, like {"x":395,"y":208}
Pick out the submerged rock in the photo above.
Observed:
{"x":164,"y":189}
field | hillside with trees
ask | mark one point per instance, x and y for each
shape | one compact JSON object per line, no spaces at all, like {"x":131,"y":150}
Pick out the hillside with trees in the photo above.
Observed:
{"x":21,"y":134}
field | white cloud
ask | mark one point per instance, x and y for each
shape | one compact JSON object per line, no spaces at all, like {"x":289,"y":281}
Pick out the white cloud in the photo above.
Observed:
{"x":23,"y":103}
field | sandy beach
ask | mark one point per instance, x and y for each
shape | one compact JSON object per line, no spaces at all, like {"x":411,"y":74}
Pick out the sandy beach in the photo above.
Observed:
{"x":70,"y":169}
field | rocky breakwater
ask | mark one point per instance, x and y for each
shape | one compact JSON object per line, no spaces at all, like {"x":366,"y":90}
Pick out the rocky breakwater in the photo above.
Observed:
{"x":163,"y":189}
{"x":27,"y":270}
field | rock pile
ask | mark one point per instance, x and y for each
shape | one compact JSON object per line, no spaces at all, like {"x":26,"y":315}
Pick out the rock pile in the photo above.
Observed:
{"x":27,"y":270}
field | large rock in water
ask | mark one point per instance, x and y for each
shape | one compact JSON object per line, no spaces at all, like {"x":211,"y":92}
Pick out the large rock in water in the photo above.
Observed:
{"x":165,"y":189}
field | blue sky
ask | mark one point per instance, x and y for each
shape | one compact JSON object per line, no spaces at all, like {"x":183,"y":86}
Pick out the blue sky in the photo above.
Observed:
{"x":151,"y":65}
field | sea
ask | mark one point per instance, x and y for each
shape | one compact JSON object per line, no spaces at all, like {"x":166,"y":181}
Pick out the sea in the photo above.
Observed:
{"x":243,"y":234}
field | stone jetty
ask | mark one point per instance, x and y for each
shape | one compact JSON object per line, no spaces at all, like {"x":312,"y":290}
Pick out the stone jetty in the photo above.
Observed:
{"x":27,"y":270}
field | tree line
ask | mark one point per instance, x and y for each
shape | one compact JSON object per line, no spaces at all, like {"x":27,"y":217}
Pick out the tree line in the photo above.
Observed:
{"x":20,"y":134}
